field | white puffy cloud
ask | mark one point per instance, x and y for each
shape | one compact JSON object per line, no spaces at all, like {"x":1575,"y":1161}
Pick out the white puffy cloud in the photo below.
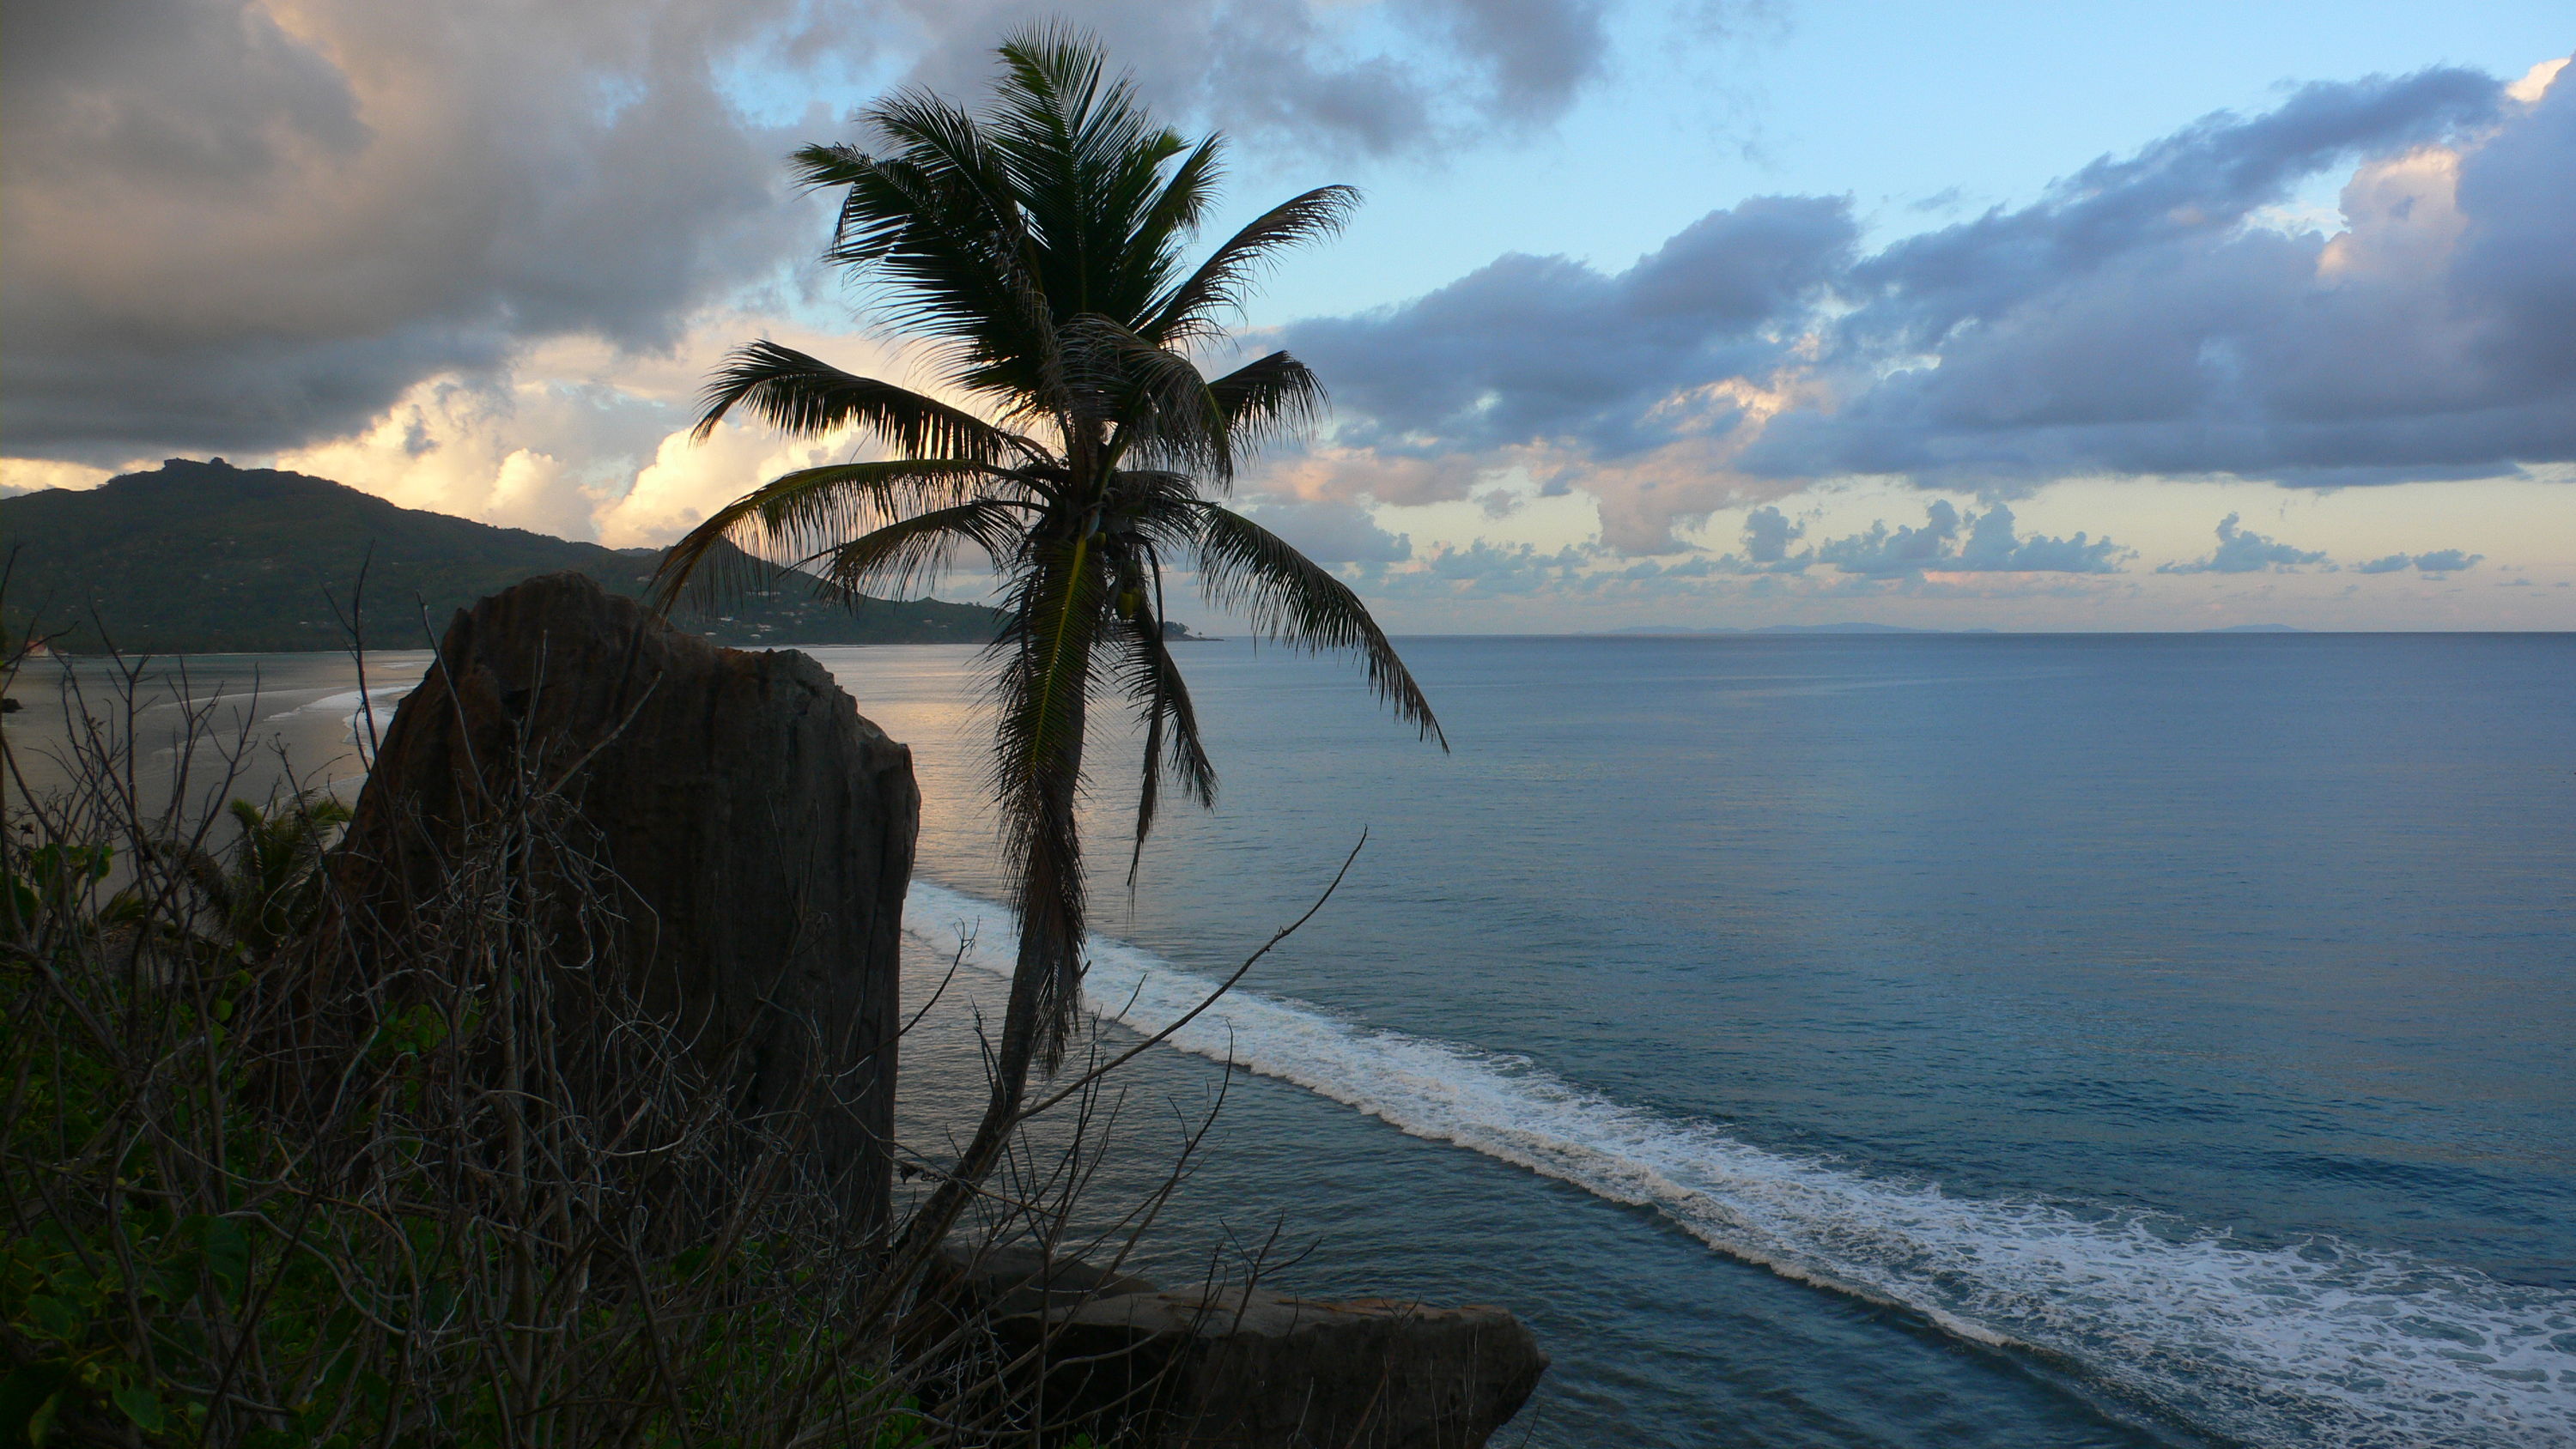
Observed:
{"x":688,"y":480}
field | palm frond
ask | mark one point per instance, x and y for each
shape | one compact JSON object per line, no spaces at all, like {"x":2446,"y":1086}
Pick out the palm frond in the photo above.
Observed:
{"x":1288,"y":597}
{"x":1270,"y":397}
{"x":1152,"y":682}
{"x":811,"y":509}
{"x":1160,"y":503}
{"x":1179,"y":208}
{"x":939,"y":219}
{"x":911,"y":552}
{"x":1196,"y":306}
{"x":1158,"y":399}
{"x":1088,"y":160}
{"x":807,"y":397}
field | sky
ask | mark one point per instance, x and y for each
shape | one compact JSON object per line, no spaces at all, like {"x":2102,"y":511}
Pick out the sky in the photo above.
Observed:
{"x":1717,"y":313}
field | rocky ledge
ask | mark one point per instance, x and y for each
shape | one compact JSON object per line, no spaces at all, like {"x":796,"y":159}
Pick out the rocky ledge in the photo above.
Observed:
{"x":1117,"y":1357}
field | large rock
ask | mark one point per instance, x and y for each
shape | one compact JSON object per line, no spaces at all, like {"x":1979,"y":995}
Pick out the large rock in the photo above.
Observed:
{"x":1244,"y":1368}
{"x":758,"y":830}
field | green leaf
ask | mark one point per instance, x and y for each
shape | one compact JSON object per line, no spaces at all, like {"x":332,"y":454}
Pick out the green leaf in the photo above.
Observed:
{"x":40,"y":1426}
{"x":226,"y":1250}
{"x":54,"y":1318}
{"x":141,"y":1405}
{"x":27,"y":1403}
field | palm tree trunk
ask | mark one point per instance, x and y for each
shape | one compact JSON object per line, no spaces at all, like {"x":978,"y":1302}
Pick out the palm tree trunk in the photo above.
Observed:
{"x":1051,"y":927}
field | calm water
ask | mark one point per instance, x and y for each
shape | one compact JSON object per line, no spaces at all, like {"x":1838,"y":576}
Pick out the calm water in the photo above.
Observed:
{"x":2065,"y":1040}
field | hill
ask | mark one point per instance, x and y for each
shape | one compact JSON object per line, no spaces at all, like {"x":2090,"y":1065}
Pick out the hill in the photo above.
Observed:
{"x":207,"y":558}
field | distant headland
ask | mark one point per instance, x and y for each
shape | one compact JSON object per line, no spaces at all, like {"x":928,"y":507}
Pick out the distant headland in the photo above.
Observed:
{"x":204,"y":558}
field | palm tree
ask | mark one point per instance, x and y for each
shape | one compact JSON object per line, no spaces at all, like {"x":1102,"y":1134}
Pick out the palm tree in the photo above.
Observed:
{"x":250,"y":902}
{"x":1037,"y":247}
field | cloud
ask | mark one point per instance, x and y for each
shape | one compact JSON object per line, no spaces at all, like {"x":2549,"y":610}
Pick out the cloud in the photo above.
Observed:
{"x":2135,"y":322}
{"x":523,"y":452}
{"x":1487,"y":569}
{"x":1768,"y":534}
{"x":255,"y":225}
{"x":1631,"y":385}
{"x":246,"y":227}
{"x":688,"y":480}
{"x":34,"y":475}
{"x":1546,"y":349}
{"x":1952,"y":555}
{"x":2146,"y":316}
{"x":1309,"y":75}
{"x":1950,"y":542}
{"x":2243,"y":551}
{"x":1947,"y":542}
{"x":2439,"y":561}
{"x":1331,"y":533}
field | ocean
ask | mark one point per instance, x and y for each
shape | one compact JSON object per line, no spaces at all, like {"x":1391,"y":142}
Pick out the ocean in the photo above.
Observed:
{"x":1845,"y":1040}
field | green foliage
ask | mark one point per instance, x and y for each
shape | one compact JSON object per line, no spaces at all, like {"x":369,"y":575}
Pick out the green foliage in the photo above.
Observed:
{"x":194,"y":1251}
{"x":253,"y":899}
{"x":52,"y":877}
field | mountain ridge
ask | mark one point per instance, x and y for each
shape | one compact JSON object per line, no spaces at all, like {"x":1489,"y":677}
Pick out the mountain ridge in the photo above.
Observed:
{"x":203,"y":557}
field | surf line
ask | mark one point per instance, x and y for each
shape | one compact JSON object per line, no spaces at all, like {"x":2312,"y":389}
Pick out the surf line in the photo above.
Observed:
{"x":2311,"y":1343}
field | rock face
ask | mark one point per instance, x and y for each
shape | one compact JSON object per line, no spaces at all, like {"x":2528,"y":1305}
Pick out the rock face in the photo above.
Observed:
{"x":760,"y":833}
{"x":1246,"y":1369}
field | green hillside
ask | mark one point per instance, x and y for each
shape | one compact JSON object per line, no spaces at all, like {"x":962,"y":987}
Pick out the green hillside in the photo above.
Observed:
{"x":208,"y":558}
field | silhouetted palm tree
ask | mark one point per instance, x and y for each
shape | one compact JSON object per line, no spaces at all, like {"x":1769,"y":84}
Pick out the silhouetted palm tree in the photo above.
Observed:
{"x":1038,"y":247}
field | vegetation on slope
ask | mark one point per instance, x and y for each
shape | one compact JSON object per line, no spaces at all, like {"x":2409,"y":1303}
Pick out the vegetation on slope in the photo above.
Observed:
{"x":207,"y":558}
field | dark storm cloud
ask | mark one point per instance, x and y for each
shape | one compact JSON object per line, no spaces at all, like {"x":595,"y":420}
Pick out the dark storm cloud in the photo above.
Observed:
{"x":2143,"y":317}
{"x":2132,"y":323}
{"x":252,"y":224}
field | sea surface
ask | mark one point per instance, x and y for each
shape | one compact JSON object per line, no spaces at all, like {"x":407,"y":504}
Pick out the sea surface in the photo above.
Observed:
{"x":1920,"y":1040}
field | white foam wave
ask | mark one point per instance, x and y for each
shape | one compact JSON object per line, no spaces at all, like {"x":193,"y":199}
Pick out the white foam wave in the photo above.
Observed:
{"x":351,"y":705}
{"x":2321,"y":1344}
